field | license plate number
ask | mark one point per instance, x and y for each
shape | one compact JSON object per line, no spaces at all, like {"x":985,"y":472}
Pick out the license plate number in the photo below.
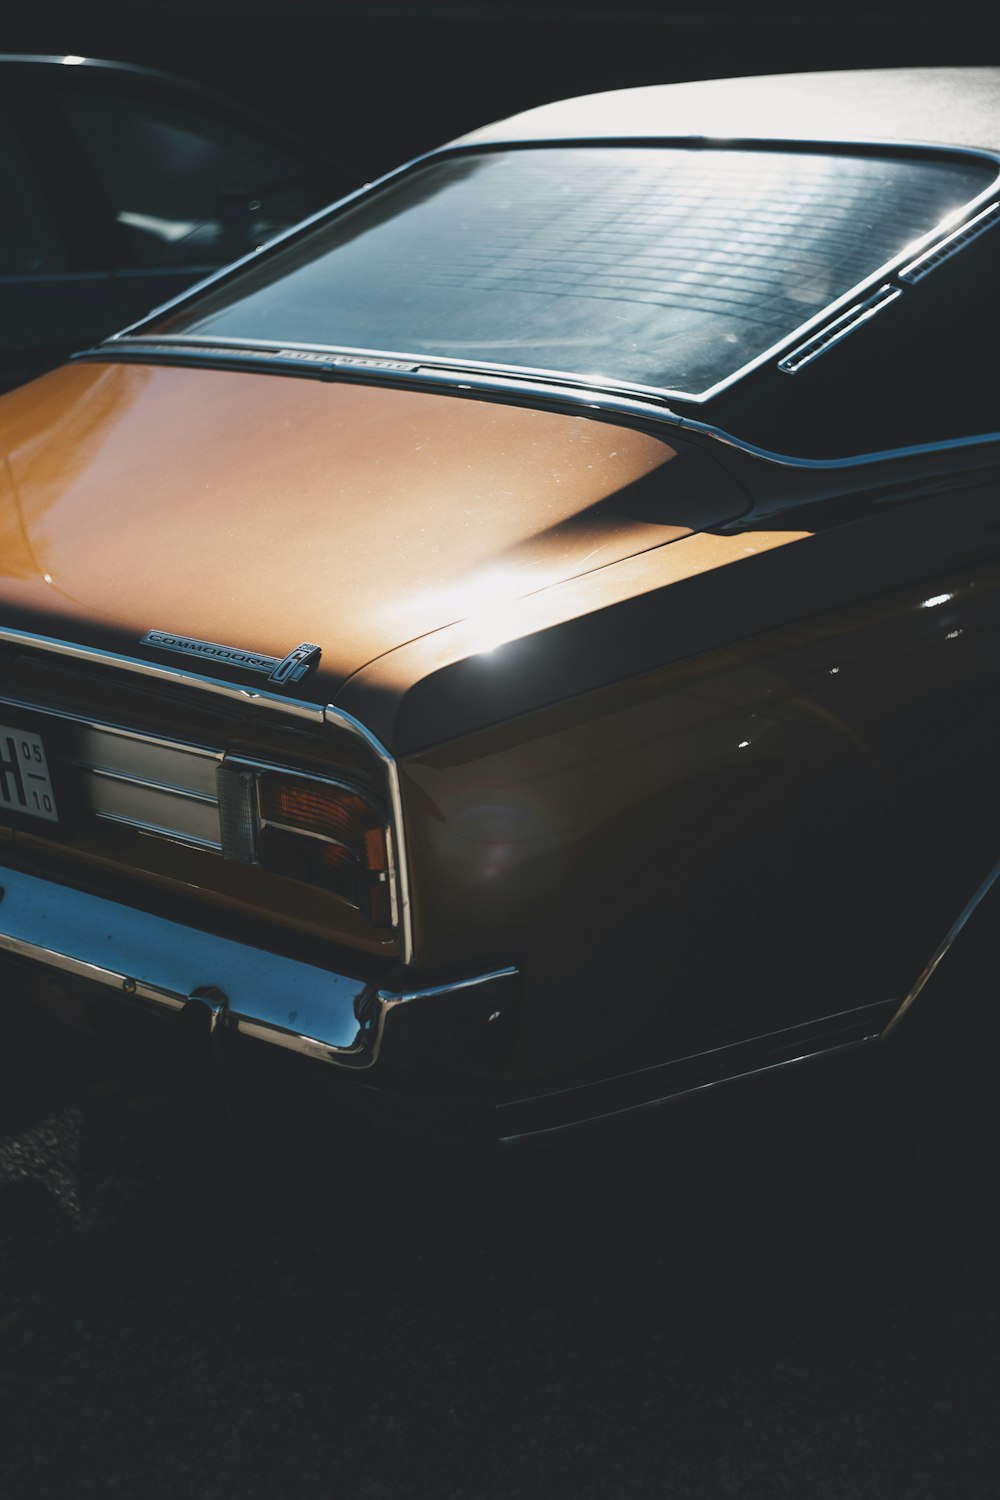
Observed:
{"x":25,"y":786}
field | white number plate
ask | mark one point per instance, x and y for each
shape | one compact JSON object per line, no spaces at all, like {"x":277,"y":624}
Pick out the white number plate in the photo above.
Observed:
{"x":24,"y":775}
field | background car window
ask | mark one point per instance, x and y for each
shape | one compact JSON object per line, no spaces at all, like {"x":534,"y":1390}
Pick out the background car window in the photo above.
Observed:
{"x":29,"y":241}
{"x":186,"y":189}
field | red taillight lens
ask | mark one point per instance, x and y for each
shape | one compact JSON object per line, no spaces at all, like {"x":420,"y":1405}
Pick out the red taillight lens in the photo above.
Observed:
{"x":325,"y":810}
{"x":346,"y":848}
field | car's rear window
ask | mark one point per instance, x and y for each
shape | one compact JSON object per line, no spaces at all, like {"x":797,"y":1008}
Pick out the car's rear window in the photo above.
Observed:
{"x":663,"y":267}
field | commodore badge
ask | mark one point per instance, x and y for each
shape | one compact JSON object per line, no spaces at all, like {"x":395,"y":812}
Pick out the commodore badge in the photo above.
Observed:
{"x":290,"y":668}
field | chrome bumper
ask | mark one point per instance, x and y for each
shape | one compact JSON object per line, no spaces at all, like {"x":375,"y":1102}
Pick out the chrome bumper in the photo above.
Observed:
{"x":169,"y":966}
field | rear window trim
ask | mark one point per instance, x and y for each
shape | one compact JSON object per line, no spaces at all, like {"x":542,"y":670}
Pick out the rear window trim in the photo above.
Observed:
{"x":143,"y":332}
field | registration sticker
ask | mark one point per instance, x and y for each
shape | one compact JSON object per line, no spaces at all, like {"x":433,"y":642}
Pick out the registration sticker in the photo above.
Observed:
{"x":25,"y":786}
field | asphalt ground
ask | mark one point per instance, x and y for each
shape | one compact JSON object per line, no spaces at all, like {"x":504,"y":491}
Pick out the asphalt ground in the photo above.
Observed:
{"x":740,"y":1299}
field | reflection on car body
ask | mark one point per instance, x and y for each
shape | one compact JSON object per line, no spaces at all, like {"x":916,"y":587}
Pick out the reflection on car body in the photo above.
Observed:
{"x":624,"y":473}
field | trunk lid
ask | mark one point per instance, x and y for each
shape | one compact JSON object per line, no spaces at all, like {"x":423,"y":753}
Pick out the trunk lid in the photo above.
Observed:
{"x":258,"y":511}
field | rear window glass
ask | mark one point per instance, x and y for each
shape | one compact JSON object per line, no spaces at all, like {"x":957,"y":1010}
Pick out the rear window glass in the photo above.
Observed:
{"x":662,"y":267}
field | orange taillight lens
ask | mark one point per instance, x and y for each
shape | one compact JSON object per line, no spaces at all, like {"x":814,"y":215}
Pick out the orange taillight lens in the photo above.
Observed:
{"x":346,"y":850}
{"x":332,"y":812}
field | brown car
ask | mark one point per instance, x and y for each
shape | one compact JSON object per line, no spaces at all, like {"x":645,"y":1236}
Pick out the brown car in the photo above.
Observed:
{"x":527,"y":641}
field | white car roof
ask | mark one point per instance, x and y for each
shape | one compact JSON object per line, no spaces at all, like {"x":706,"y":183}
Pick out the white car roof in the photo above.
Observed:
{"x":930,"y":106}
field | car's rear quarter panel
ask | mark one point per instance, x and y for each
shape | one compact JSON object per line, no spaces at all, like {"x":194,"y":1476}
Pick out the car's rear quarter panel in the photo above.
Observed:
{"x":750,"y":837}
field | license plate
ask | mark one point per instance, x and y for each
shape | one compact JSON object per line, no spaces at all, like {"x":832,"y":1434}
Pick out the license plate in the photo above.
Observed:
{"x":24,"y":775}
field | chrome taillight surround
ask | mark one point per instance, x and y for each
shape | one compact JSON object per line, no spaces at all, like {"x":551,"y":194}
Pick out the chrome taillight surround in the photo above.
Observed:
{"x":195,"y":794}
{"x":244,"y":819}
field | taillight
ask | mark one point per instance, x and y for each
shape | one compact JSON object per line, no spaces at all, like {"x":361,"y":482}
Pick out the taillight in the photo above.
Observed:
{"x":320,"y":832}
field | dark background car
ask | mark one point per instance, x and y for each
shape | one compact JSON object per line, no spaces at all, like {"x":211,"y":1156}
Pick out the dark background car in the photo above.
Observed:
{"x":119,"y":186}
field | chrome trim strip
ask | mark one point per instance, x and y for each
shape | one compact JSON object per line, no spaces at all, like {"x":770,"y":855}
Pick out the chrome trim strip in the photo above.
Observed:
{"x":305,"y":833}
{"x":320,"y":359}
{"x":176,"y":676}
{"x":443,"y":376}
{"x":574,"y":1127}
{"x":241,"y":762}
{"x":942,"y":950}
{"x":392,"y":873}
{"x":188,"y":747}
{"x":853,"y":461}
{"x":153,"y":810}
{"x":340,"y":720}
{"x":831,"y":334}
{"x":678,"y":1077}
{"x":952,"y":243}
{"x":390,"y":997}
{"x":790,"y":339}
{"x":140,"y":781}
{"x":172,"y":835}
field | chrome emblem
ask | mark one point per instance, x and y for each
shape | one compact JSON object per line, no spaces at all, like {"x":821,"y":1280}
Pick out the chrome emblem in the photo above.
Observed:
{"x":277,"y":669}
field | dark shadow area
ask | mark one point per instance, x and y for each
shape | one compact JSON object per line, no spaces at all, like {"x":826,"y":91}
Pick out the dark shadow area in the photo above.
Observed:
{"x":742,"y":1298}
{"x":382,"y":80}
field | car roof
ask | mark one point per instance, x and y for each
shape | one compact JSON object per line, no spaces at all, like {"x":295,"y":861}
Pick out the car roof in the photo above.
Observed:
{"x":931,"y":106}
